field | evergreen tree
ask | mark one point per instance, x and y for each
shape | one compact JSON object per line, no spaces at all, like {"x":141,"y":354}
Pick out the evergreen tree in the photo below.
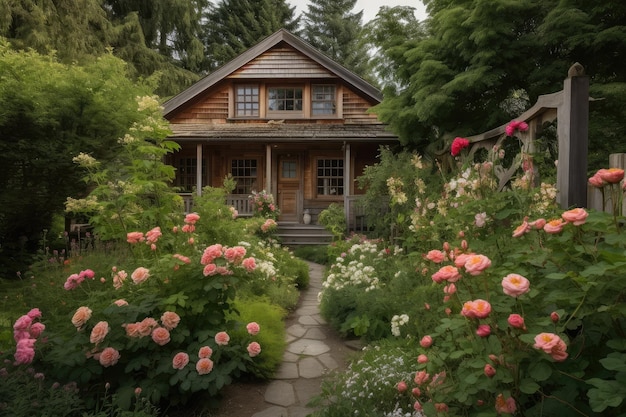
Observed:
{"x":477,"y":54}
{"x":233,"y":26}
{"x":331,"y":27}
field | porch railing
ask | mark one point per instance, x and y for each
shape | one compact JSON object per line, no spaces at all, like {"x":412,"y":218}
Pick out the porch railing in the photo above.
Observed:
{"x":239,"y":201}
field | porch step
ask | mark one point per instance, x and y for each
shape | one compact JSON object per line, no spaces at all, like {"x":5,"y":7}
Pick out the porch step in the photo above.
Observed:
{"x":303,"y":234}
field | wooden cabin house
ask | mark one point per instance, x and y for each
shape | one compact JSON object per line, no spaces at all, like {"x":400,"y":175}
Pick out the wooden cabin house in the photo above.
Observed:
{"x":281,"y":117}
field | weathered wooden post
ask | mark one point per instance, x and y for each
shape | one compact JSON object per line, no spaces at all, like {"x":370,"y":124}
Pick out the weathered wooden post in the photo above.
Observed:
{"x":573,"y":127}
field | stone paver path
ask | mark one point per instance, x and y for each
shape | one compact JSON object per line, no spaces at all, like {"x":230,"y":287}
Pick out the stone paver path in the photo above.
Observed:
{"x":308,"y":358}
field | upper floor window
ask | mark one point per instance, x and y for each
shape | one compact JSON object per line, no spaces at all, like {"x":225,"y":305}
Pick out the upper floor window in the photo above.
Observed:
{"x":323,"y":100}
{"x":284,"y":99}
{"x":247,"y":101}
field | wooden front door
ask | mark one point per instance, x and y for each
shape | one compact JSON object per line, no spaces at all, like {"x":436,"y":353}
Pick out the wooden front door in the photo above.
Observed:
{"x":289,"y":186}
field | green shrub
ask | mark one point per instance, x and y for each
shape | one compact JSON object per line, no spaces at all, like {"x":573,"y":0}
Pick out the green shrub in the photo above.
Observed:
{"x":270,"y":318}
{"x":333,"y":219}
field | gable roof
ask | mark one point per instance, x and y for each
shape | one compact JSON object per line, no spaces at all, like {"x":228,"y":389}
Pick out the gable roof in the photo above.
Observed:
{"x":281,"y":35}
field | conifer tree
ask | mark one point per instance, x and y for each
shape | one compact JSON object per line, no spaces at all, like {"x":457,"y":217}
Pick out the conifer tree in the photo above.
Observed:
{"x":332,"y":27}
{"x":235,"y":25}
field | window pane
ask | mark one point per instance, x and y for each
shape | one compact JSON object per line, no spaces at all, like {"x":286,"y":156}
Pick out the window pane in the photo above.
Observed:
{"x":323,"y":100}
{"x":330,"y":177}
{"x":247,"y":101}
{"x":244,"y":172}
{"x":285,"y":99}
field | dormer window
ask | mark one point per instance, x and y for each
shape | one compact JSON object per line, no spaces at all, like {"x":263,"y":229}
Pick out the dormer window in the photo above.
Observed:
{"x":323,"y":100}
{"x":247,"y":102}
{"x":284,"y":99}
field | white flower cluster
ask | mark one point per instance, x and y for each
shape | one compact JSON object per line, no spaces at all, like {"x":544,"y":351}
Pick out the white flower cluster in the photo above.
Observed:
{"x":355,"y":273}
{"x":82,"y":205}
{"x":396,"y":322}
{"x":85,"y":160}
{"x":394,"y":185}
{"x":148,"y":103}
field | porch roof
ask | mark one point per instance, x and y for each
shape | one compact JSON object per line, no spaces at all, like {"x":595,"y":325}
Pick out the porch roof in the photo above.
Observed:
{"x":282,"y":132}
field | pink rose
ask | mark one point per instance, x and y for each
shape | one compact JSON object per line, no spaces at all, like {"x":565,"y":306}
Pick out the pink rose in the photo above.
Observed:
{"x":426,"y":341}
{"x":192,"y":218}
{"x":596,"y":181}
{"x":132,"y":330}
{"x":458,"y":144}
{"x":516,"y":321}
{"x":161,"y":336}
{"x":119,"y":278}
{"x":483,"y":330}
{"x":538,"y":224}
{"x":552,"y":344}
{"x":422,"y":359}
{"x":140,"y":275}
{"x":515,"y":285}
{"x":34,"y":313}
{"x":554,"y":226}
{"x":99,"y":332}
{"x":515,"y":125}
{"x":554,"y":316}
{"x":490,"y":371}
{"x":611,"y":175}
{"x":188,"y":228}
{"x":170,"y":320}
{"x":182,"y":258}
{"x":180,"y":360}
{"x":23,"y":323}
{"x":576,"y":216}
{"x":505,"y":406}
{"x":205,"y":352}
{"x":436,"y":256}
{"x":81,"y":316}
{"x":146,"y":325}
{"x":449,"y":289}
{"x":459,"y":260}
{"x":209,"y":270}
{"x":153,"y":235}
{"x":421,"y":377}
{"x":211,"y":253}
{"x":222,"y":338}
{"x":254,"y":349}
{"x":253,"y":328}
{"x":25,"y":351}
{"x":522,"y":229}
{"x":134,"y":237}
{"x":476,"y":264}
{"x":446,"y":273}
{"x":87,"y":273}
{"x":204,"y":366}
{"x":120,"y":302}
{"x":401,"y":386}
{"x":477,"y":309}
{"x":249,"y":264}
{"x":36,"y":329}
{"x":108,"y":357}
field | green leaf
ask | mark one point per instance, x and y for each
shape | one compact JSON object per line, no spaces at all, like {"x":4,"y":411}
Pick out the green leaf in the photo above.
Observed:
{"x":615,"y":362}
{"x":540,"y":371}
{"x":528,"y":386}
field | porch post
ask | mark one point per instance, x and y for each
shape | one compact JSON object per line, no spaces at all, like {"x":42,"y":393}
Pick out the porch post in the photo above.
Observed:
{"x":268,"y":168}
{"x":199,"y":169}
{"x":347,"y":189}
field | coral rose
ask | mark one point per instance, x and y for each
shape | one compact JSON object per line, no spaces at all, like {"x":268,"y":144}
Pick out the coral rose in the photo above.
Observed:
{"x":426,"y":341}
{"x":402,"y":386}
{"x":505,"y":405}
{"x":204,"y":366}
{"x":477,"y":309}
{"x":436,"y":256}
{"x":140,"y":275}
{"x":161,"y":336}
{"x":253,"y":328}
{"x":108,"y":357}
{"x":222,"y":338}
{"x":180,"y":360}
{"x":205,"y":352}
{"x":192,"y":218}
{"x":134,"y":237}
{"x":153,"y":235}
{"x":611,"y":175}
{"x":522,"y":229}
{"x":515,"y":285}
{"x":576,"y":216}
{"x":476,"y":264}
{"x":554,"y":226}
{"x":81,"y":316}
{"x":170,"y":320}
{"x":253,"y":349}
{"x":99,"y":332}
{"x":596,"y":181}
{"x":422,"y":358}
{"x":446,"y":273}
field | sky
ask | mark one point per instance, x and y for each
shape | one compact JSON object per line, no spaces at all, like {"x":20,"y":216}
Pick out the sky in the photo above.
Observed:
{"x":370,"y":7}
